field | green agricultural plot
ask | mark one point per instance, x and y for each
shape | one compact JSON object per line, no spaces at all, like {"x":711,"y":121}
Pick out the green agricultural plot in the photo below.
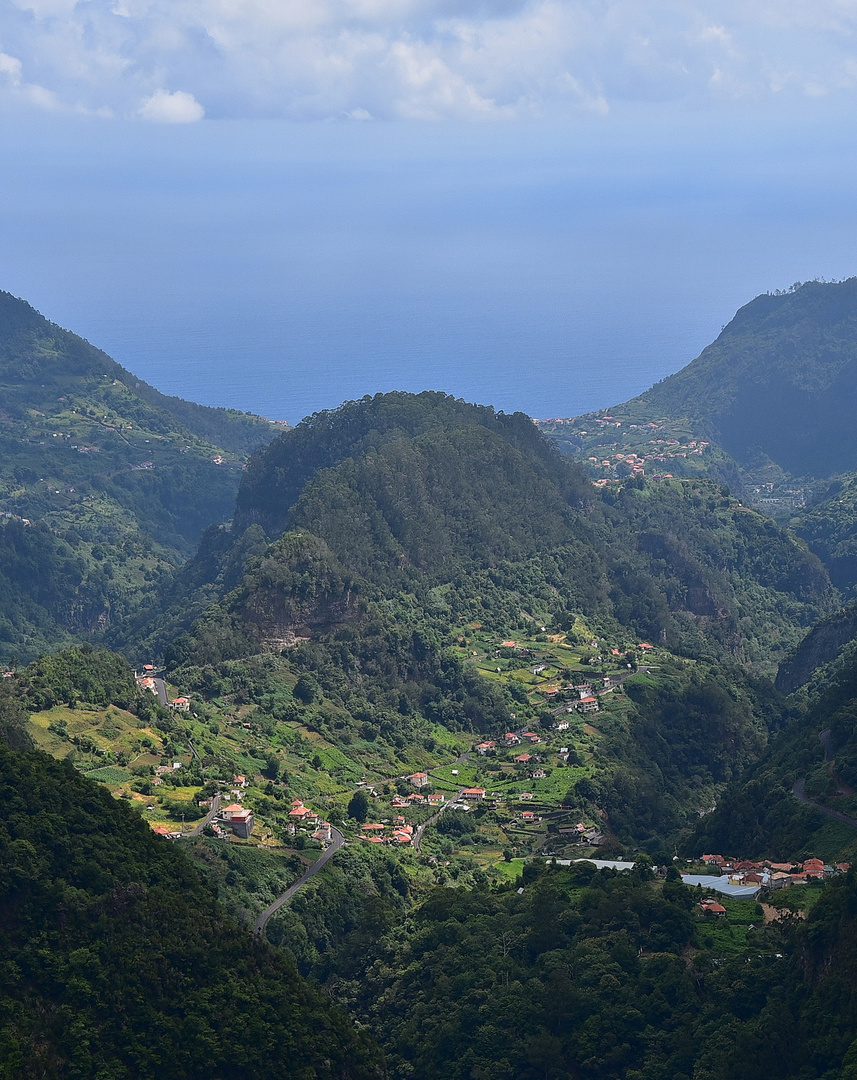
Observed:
{"x":109,"y":775}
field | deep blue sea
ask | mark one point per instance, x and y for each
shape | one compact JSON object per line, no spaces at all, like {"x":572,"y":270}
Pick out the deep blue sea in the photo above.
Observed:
{"x":283,"y":268}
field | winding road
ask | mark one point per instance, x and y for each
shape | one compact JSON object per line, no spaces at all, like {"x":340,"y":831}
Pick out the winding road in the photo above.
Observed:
{"x":337,"y":840}
{"x":209,"y":817}
{"x":418,"y":834}
{"x":798,"y":790}
{"x":800,"y":785}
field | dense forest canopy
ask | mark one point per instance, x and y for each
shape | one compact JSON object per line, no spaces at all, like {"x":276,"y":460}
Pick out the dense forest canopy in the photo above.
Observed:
{"x":118,"y":960}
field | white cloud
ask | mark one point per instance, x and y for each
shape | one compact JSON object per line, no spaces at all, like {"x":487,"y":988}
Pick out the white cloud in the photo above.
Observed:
{"x":177,"y":108}
{"x":422,"y":58}
{"x":24,"y":92}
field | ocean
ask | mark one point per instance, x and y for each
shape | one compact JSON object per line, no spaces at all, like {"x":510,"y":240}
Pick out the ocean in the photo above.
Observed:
{"x":283,"y":268}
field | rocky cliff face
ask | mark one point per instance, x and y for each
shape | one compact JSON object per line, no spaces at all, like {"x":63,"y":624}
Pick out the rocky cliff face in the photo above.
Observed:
{"x":297,"y":590}
{"x":821,"y":645}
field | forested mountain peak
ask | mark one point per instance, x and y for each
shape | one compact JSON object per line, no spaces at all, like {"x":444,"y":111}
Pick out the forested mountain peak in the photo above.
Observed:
{"x":277,"y":475}
{"x":780,"y":380}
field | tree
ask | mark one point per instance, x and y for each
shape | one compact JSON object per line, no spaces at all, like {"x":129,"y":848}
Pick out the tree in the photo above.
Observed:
{"x":306,"y":689}
{"x":358,"y":808}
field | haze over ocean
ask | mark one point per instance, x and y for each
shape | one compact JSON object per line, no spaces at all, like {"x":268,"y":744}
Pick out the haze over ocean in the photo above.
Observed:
{"x":282,"y":267}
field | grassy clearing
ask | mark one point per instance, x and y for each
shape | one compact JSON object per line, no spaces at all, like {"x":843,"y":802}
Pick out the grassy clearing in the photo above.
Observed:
{"x":728,"y":933}
{"x":510,"y":870}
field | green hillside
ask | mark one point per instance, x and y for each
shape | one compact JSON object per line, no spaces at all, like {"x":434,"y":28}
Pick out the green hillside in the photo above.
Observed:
{"x":766,"y":408}
{"x":105,"y":484}
{"x":780,"y":380}
{"x":829,"y":527}
{"x":433,"y":493}
{"x":788,"y":802}
{"x":366,"y":642}
{"x":119,"y":961}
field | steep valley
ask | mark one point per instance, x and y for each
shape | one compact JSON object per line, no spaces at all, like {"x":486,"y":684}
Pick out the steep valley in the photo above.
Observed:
{"x":527,"y":702}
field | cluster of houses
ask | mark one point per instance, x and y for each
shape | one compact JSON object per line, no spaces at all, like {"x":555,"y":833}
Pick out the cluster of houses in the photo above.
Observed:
{"x":377,"y":833}
{"x":145,"y":679}
{"x":303,"y":815}
{"x":773,"y":875}
{"x":415,"y":799}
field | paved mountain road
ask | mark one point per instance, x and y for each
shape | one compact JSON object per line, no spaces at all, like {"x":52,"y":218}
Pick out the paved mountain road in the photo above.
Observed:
{"x":335,"y":844}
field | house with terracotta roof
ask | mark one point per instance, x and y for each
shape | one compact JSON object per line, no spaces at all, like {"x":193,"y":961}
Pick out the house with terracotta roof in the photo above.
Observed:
{"x":376,"y":828}
{"x":711,"y":907}
{"x":510,"y":739}
{"x":523,"y":759}
{"x":418,"y":779}
{"x":436,"y":800}
{"x":484,"y":748}
{"x":473,"y":794}
{"x":531,"y":737}
{"x":242,"y":824}
{"x":180,"y":704}
{"x":240,"y":819}
{"x":538,"y":774}
{"x":528,"y":815}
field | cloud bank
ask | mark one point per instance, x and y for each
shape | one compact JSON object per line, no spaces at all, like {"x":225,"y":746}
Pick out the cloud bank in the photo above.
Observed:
{"x":176,"y":61}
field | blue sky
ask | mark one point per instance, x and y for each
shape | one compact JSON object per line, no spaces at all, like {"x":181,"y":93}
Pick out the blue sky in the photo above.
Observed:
{"x":278,"y":205}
